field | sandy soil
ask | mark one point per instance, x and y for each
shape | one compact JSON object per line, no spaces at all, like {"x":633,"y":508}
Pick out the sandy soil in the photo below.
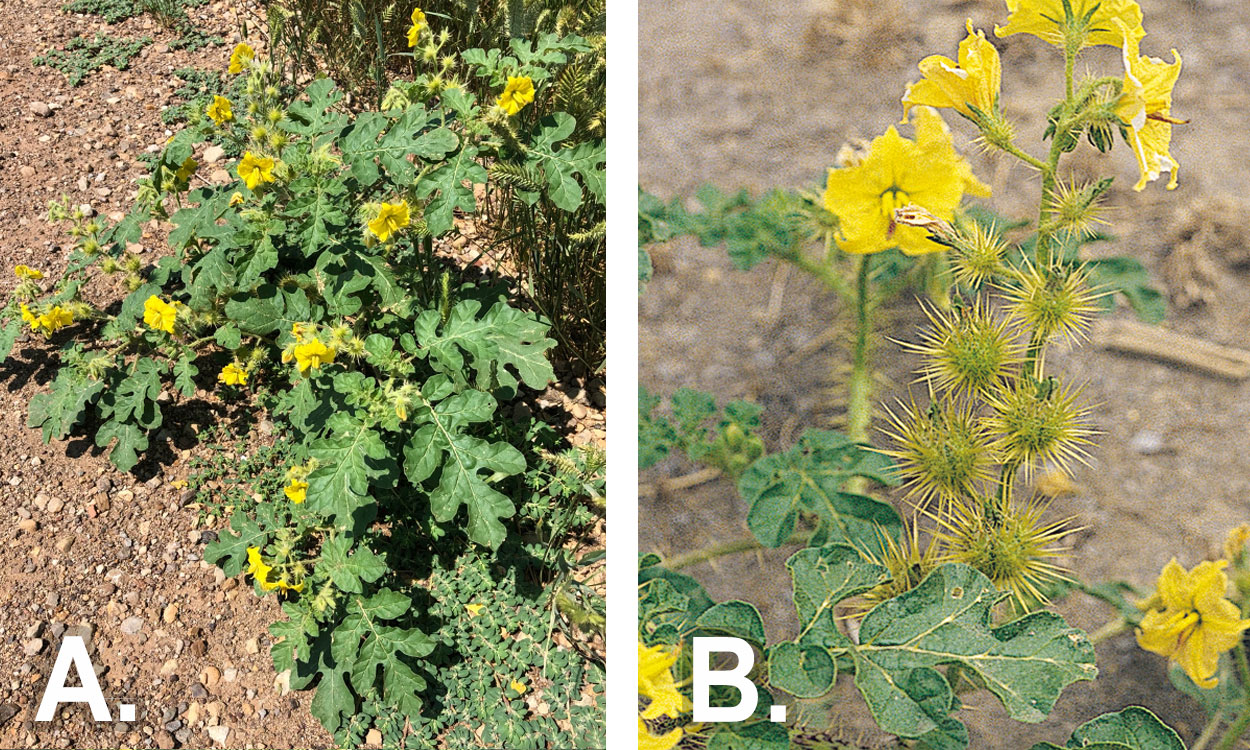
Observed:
{"x":752,"y":94}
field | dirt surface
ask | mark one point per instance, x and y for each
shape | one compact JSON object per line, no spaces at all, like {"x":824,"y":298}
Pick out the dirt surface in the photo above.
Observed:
{"x":86,"y":550}
{"x":753,"y":94}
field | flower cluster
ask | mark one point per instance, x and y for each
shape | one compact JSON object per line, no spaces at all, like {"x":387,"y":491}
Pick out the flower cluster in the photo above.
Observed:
{"x":296,"y":489}
{"x":1139,"y":103}
{"x":48,"y":322}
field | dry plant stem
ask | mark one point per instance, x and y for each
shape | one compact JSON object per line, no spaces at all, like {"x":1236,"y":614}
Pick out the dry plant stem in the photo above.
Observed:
{"x":1239,"y":726}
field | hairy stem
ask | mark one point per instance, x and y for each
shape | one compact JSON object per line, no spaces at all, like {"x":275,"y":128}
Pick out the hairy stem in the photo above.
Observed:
{"x":1242,"y":722}
{"x":708,"y":554}
{"x":859,"y":409}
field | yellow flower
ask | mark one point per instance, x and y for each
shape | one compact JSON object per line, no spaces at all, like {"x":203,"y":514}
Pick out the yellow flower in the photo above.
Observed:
{"x":50,"y":322}
{"x":391,"y":218}
{"x":259,"y":569}
{"x":313,"y":354}
{"x":219,"y":111}
{"x":159,"y":314}
{"x":518,"y":687}
{"x":974,"y":80}
{"x":297,"y":491}
{"x":1189,"y":620}
{"x":241,"y":57}
{"x":28,"y":273}
{"x":1112,"y":22}
{"x":232,"y":374}
{"x":655,"y":682}
{"x":474,"y":609}
{"x":1144,"y":106}
{"x":897,"y":172}
{"x":236,"y":199}
{"x":418,"y":23}
{"x":186,"y":169}
{"x":518,"y":93}
{"x":254,"y":170}
{"x":658,"y":688}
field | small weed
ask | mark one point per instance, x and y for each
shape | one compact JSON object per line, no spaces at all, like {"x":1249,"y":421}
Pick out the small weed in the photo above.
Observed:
{"x":83,"y":56}
{"x":231,"y":477}
{"x":112,"y":11}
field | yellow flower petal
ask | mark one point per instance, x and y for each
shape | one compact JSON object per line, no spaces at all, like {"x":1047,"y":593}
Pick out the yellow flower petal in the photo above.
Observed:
{"x":1111,"y":21}
{"x":390,"y":219}
{"x":517,"y":94}
{"x":897,"y":172}
{"x":241,"y":57}
{"x":474,"y":609}
{"x":974,"y":80}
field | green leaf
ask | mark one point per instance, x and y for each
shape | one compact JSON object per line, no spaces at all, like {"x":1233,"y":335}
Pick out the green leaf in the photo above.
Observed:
{"x":801,"y":671}
{"x":185,"y":372}
{"x":734,"y":618}
{"x":334,"y":701}
{"x":348,"y":571}
{"x":808,"y":478}
{"x":348,"y":463}
{"x":1026,"y":663}
{"x":1129,"y":277}
{"x":135,"y":398}
{"x":442,"y":445}
{"x":8,"y":335}
{"x":501,"y":342}
{"x":55,"y":413}
{"x":753,"y":736}
{"x":131,"y":440}
{"x":1134,"y":728}
{"x":446,"y":185}
{"x":229,"y":550}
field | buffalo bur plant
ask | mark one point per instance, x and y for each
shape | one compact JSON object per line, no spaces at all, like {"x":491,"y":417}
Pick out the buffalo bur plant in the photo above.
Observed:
{"x":309,"y":282}
{"x":952,"y":598}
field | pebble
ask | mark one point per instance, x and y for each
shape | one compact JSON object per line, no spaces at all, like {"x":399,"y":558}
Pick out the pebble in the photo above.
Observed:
{"x":210,"y":677}
{"x":132,"y":625}
{"x":170,"y":614}
{"x":374,"y":737}
{"x":1147,"y":443}
{"x":33,"y":646}
{"x":55,"y":505}
{"x":214,"y":154}
{"x":64,"y":543}
{"x":27,"y":525}
{"x":252,"y":646}
{"x":164,"y":740}
{"x":198,"y":693}
{"x":40,"y":109}
{"x":168,"y":668}
{"x":219,"y":734}
{"x":27,"y":171}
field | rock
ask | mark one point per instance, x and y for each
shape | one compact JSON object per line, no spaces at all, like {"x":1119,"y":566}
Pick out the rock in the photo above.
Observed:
{"x":170,"y":614}
{"x":7,"y":711}
{"x":55,"y":505}
{"x":209,"y":677}
{"x":132,"y":625}
{"x":374,"y":737}
{"x":252,"y":646}
{"x":64,"y":543}
{"x":1147,"y":443}
{"x":103,"y":484}
{"x":27,"y":171}
{"x":192,"y":714}
{"x":33,"y":646}
{"x":102,"y":503}
{"x":219,"y":734}
{"x":168,"y":668}
{"x":27,"y":525}
{"x":214,"y":154}
{"x":40,"y":109}
{"x":164,"y":740}
{"x":198,"y":693}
